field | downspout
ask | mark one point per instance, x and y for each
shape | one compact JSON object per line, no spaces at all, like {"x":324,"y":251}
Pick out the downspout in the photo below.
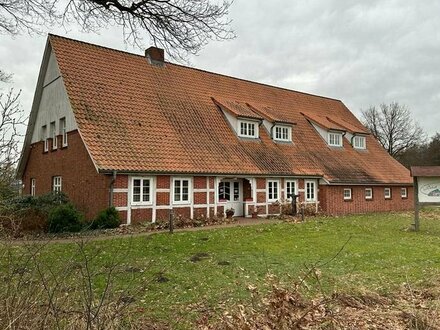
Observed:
{"x":112,"y":183}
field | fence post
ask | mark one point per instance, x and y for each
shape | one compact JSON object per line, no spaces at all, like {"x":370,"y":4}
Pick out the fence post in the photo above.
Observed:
{"x":171,"y":221}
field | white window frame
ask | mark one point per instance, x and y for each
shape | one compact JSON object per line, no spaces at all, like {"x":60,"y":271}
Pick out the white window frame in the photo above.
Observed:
{"x":404,"y":192}
{"x":314,"y":191}
{"x":57,"y":183}
{"x":347,"y":197}
{"x":33,"y":186}
{"x":45,"y":138}
{"x":151,"y":192}
{"x":63,"y":131}
{"x":333,"y":143}
{"x":387,"y":196}
{"x":247,"y":123}
{"x":190,"y":192}
{"x":357,"y":142}
{"x":370,"y":196}
{"x":270,"y":186}
{"x":295,"y":192}
{"x":53,"y":134}
{"x":282,"y":133}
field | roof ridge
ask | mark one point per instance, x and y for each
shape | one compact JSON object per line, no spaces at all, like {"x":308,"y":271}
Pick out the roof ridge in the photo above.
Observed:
{"x":198,"y":69}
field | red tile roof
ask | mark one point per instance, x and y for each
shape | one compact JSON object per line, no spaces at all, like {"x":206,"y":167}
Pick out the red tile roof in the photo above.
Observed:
{"x":237,"y":108}
{"x":425,"y":171}
{"x":134,"y":116}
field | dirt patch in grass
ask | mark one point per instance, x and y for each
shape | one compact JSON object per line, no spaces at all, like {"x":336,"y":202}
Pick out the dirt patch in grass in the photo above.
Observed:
{"x":199,"y":257}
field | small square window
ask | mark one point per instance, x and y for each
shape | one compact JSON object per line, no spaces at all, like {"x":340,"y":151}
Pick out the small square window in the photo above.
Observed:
{"x":335,"y":139}
{"x":181,"y":193}
{"x":404,"y":192}
{"x":141,"y":190}
{"x":387,"y":193}
{"x":359,"y":142}
{"x":283,"y":133}
{"x":347,"y":194}
{"x":247,"y":129}
{"x":368,"y":193}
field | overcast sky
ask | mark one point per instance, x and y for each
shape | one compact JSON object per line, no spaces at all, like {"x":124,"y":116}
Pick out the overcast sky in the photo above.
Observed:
{"x":362,"y":52}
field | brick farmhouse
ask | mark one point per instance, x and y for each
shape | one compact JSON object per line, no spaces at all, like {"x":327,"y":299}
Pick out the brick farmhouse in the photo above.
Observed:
{"x":112,"y":128}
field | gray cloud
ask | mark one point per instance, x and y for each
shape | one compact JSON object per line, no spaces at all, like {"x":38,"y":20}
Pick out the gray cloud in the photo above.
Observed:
{"x":363,"y":53}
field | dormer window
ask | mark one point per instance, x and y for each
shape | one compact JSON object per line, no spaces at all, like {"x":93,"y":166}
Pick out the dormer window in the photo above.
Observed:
{"x":334,"y":139}
{"x":248,"y":129}
{"x":359,"y":142}
{"x":282,"y":133}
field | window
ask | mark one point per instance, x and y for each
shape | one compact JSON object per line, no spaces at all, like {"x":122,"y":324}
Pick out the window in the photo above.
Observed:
{"x":347,"y":194}
{"x":56,"y":183}
{"x":141,"y":191}
{"x":310,"y":191}
{"x":283,"y":133}
{"x":368,"y":193}
{"x":32,"y":187}
{"x":44,"y":138}
{"x":387,"y":193}
{"x":359,"y":142}
{"x":63,"y":131}
{"x":224,"y":191}
{"x":181,"y":191}
{"x":290,"y":189}
{"x":53,"y":134}
{"x":335,"y":139}
{"x":404,"y":192}
{"x":272,"y":190}
{"x":247,"y":129}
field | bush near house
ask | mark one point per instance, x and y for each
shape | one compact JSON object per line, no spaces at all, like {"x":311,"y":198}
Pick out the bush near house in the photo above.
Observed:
{"x":108,"y":218}
{"x":64,"y":217}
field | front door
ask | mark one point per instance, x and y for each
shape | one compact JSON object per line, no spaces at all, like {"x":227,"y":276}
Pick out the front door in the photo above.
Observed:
{"x":230,"y":192}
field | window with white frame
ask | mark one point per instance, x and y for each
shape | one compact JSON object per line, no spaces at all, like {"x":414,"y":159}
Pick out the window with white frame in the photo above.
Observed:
{"x":57,"y":183}
{"x":283,"y":133}
{"x":53,"y":135}
{"x":273,"y":187}
{"x":248,"y":129}
{"x":335,"y":139}
{"x":368,"y":193}
{"x":347,"y":194}
{"x":404,"y":192}
{"x":181,"y":189}
{"x":359,"y":142}
{"x":290,"y":189}
{"x":310,"y":191}
{"x":141,"y":191}
{"x":387,"y":193}
{"x":44,"y":138}
{"x":63,"y":131}
{"x":33,"y":187}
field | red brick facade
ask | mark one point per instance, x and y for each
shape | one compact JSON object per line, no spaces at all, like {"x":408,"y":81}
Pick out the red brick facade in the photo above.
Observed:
{"x":90,"y":191}
{"x":86,"y":188}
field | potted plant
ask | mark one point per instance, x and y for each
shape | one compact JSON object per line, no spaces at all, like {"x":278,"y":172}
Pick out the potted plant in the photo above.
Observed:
{"x":255,"y":214}
{"x":229,"y":213}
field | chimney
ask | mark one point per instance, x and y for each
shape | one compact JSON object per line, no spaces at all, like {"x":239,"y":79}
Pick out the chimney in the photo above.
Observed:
{"x":155,"y":56}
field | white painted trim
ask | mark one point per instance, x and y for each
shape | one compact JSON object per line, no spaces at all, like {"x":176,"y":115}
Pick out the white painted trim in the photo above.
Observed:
{"x":163,"y":190}
{"x":215,"y":195}
{"x":285,"y":187}
{"x":335,"y":134}
{"x":120,"y":190}
{"x":200,"y":206}
{"x":129,"y":202}
{"x":261,"y":204}
{"x":289,"y":133}
{"x":371,"y":195}
{"x":200,"y":190}
{"x":207,"y":196}
{"x":248,"y":122}
{"x":121,"y":208}
{"x":278,"y":182}
{"x":315,"y":190}
{"x":152,"y":190}
{"x":140,"y":207}
{"x":260,"y":190}
{"x":190,"y":191}
{"x":347,"y":198}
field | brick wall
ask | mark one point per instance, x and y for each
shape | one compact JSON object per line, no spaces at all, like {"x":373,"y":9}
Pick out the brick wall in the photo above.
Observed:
{"x":332,"y":200}
{"x":86,"y":188}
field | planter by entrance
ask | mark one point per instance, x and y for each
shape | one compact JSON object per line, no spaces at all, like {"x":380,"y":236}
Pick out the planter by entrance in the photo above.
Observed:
{"x":229,"y":213}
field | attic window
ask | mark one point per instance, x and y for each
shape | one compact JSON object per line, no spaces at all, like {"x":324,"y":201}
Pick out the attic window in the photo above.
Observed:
{"x":335,"y":139}
{"x":359,"y":142}
{"x":247,"y":129}
{"x":283,"y":133}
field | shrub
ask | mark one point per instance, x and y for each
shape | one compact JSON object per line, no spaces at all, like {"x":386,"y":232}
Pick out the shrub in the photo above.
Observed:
{"x":64,"y":217}
{"x":108,"y":218}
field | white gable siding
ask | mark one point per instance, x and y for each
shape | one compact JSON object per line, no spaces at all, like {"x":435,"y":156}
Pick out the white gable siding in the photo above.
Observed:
{"x":322,"y":132}
{"x":54,"y":103}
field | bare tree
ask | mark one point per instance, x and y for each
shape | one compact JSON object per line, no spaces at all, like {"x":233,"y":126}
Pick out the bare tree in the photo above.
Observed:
{"x":393,"y":127}
{"x":179,"y":26}
{"x":12,"y":119}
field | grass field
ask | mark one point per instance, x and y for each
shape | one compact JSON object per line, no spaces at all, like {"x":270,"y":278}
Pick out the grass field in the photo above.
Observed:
{"x":188,"y":273}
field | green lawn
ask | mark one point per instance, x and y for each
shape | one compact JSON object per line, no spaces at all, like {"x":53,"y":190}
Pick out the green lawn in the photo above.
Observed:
{"x":380,"y":255}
